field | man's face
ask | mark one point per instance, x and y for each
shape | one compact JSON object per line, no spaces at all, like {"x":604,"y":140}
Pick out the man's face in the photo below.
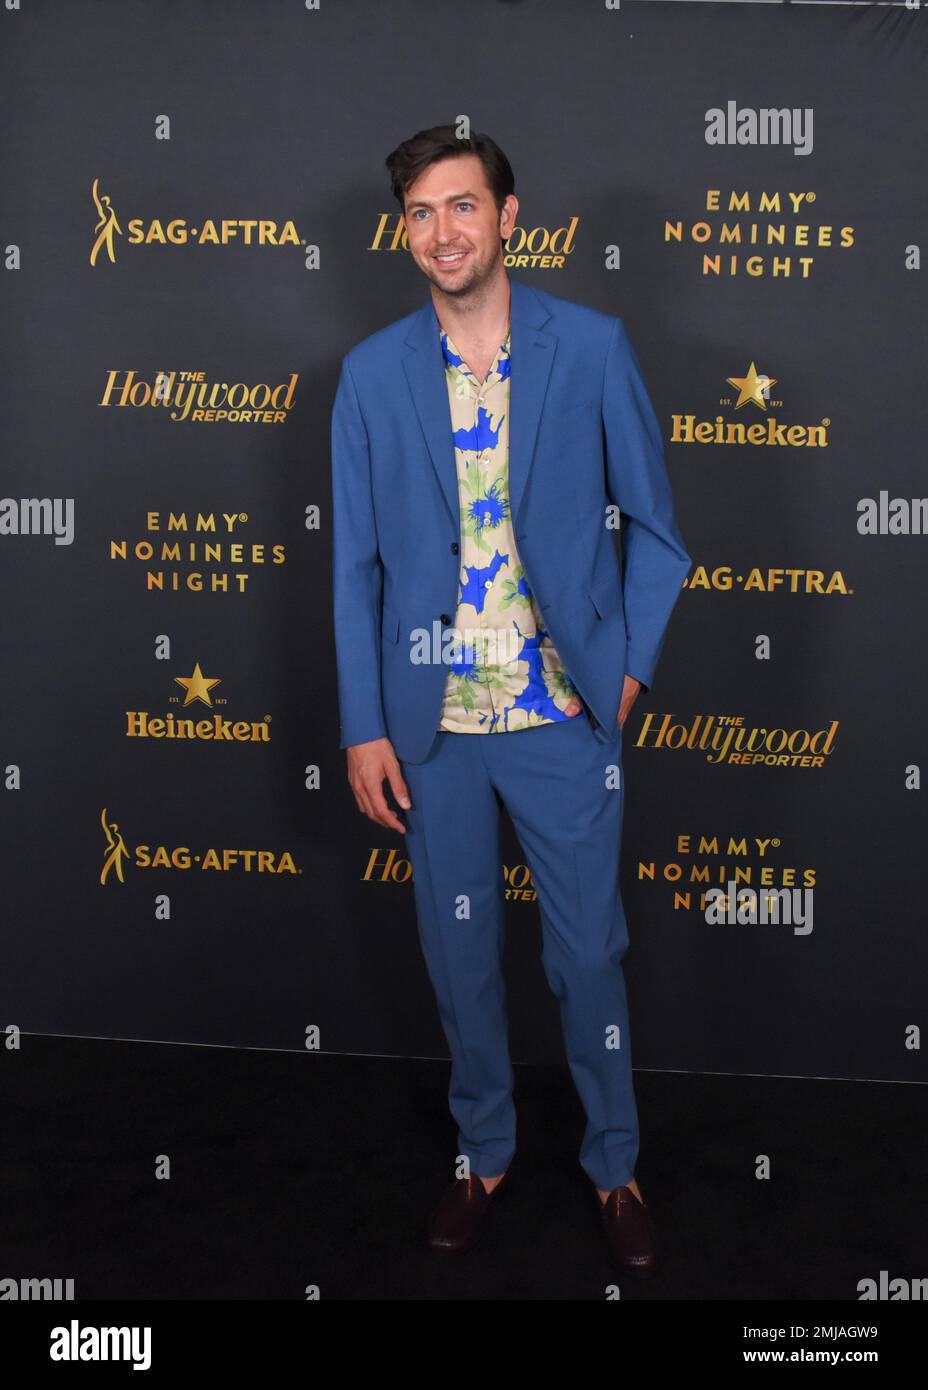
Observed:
{"x":454,"y":226}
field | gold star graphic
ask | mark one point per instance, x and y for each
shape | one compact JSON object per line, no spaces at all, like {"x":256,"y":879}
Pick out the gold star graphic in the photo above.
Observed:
{"x":197,"y":686}
{"x":751,"y":387}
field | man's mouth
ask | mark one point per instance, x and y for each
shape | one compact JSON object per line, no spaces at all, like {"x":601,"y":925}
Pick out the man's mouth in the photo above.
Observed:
{"x":450,"y":258}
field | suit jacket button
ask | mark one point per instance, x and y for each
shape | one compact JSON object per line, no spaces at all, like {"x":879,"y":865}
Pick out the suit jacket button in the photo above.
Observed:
{"x":454,"y":547}
{"x":445,"y":619}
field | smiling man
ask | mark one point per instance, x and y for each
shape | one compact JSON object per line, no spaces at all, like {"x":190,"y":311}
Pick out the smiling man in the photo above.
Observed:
{"x":490,"y":647}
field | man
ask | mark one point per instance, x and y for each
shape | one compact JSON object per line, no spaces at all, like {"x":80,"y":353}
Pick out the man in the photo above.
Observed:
{"x":490,"y":648}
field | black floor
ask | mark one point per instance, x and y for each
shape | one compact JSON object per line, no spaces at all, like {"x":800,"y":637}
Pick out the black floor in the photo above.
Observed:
{"x":292,"y":1170}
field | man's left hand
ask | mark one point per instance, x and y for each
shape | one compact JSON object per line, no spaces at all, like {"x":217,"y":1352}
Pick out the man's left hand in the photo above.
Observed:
{"x":631,"y":689}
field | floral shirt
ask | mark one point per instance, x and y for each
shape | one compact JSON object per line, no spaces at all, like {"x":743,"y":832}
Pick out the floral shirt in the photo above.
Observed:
{"x":505,"y":673}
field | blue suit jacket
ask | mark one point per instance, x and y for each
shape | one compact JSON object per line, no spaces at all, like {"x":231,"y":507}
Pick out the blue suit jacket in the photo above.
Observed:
{"x":582,"y":434}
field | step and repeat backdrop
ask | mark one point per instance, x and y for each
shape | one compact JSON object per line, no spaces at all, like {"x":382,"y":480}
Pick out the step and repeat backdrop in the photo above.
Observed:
{"x":196,"y":227}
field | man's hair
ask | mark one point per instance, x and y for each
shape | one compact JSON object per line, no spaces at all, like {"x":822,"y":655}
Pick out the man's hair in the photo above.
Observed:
{"x":409,"y":159}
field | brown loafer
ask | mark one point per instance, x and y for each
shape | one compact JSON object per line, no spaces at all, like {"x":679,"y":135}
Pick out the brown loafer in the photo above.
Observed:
{"x":629,"y":1231}
{"x":459,"y":1219}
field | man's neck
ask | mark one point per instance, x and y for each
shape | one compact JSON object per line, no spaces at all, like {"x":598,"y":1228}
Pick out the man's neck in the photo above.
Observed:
{"x":478,"y":318}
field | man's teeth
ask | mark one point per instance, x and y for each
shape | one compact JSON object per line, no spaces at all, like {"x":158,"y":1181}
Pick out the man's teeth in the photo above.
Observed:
{"x":453,"y":256}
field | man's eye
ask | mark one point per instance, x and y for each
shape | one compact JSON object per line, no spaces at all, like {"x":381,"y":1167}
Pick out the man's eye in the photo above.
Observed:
{"x":465,"y":205}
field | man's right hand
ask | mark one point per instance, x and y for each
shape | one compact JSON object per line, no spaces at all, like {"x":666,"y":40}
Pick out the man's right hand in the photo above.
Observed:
{"x":369,"y":765}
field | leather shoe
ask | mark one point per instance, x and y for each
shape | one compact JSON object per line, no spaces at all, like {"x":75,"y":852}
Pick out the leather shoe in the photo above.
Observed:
{"x":459,"y":1219}
{"x":629,"y":1232}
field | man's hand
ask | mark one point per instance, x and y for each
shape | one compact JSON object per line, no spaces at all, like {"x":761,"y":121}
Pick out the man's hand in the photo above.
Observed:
{"x":630,"y":692}
{"x":369,"y":764}
{"x":631,"y":689}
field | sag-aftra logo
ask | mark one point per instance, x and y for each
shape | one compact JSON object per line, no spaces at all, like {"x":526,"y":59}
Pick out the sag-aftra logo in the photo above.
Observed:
{"x":177,"y":231}
{"x":117,"y":855}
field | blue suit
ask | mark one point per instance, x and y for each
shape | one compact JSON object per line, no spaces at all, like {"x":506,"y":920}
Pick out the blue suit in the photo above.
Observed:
{"x":582,"y":434}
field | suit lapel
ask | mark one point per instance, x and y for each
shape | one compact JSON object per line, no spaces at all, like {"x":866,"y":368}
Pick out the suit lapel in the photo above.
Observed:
{"x":532,"y":357}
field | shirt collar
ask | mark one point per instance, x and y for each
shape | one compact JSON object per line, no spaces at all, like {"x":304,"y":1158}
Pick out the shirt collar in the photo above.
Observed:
{"x":453,"y":358}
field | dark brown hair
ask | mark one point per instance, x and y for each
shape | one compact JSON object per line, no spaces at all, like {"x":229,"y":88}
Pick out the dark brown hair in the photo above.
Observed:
{"x":409,"y":159}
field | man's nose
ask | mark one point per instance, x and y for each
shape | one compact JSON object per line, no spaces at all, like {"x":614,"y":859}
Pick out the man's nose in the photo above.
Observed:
{"x":444,"y":230}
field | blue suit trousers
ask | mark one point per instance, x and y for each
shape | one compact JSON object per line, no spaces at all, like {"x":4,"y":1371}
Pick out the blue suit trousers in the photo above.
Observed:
{"x":554,"y":782}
